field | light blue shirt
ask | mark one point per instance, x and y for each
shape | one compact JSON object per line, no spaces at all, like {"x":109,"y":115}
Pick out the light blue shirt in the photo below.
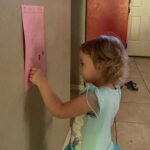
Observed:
{"x":96,"y":131}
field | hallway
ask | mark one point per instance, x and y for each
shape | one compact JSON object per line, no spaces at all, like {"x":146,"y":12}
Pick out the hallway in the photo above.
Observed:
{"x":131,"y":129}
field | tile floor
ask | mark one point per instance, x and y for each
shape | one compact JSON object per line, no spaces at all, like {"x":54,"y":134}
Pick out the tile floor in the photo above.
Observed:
{"x":131,"y":130}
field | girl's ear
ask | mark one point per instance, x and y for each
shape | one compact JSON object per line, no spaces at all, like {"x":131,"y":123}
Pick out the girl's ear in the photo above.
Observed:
{"x":100,"y":65}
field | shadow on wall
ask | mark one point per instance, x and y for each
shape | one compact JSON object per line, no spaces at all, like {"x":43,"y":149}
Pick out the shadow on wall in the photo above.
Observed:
{"x":35,"y":118}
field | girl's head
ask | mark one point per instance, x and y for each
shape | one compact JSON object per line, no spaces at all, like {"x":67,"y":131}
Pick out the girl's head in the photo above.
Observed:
{"x":103,"y":60}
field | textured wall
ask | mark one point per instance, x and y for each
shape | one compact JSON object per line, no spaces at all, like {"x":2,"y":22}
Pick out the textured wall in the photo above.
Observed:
{"x":25,"y":124}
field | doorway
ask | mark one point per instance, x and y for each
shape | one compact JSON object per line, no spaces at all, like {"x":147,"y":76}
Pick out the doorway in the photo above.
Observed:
{"x":138,"y":36}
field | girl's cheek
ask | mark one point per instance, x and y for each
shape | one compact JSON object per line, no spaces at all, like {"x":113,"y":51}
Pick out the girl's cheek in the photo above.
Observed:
{"x":83,"y":74}
{"x":81,"y":70}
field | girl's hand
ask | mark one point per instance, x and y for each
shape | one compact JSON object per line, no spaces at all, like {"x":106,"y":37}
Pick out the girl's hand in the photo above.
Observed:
{"x":36,"y":76}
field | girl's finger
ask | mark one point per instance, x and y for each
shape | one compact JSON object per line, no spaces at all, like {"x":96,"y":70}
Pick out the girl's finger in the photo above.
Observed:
{"x":34,"y":69}
{"x":32,"y":72}
{"x":30,"y":77}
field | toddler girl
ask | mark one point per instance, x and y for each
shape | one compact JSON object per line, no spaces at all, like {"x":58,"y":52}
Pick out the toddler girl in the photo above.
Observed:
{"x":104,"y":67}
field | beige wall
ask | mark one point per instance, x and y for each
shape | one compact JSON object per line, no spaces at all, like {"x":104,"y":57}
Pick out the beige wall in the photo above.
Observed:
{"x":77,"y":36}
{"x":24,"y":122}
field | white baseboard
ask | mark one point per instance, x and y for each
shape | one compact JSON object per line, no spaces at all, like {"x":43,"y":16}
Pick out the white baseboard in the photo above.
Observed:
{"x":67,"y":139}
{"x":77,"y":87}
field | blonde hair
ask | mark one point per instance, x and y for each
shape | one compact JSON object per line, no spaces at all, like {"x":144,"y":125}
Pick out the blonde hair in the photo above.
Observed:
{"x":110,"y":50}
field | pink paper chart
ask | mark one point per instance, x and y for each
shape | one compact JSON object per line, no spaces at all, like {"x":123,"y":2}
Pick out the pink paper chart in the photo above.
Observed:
{"x":33,"y":32}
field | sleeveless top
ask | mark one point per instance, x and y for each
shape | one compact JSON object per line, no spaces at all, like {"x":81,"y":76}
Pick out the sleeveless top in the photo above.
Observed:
{"x":94,"y":132}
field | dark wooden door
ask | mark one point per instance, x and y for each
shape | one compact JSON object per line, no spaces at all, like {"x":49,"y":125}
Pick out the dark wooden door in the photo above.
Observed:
{"x":107,"y":16}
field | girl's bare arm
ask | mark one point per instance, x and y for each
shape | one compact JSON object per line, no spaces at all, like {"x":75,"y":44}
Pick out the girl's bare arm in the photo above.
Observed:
{"x":55,"y":105}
